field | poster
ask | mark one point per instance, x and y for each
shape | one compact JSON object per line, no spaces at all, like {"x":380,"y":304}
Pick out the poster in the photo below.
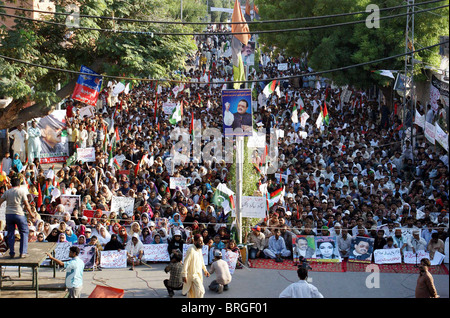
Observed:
{"x":414,"y":258}
{"x":361,"y":250}
{"x":168,"y":107}
{"x":248,"y":54}
{"x":88,"y":111}
{"x":387,"y":256}
{"x":304,"y":246}
{"x":282,"y":66}
{"x":430,"y":132}
{"x":127,"y":203}
{"x":54,"y":142}
{"x":441,"y":136}
{"x":237,"y":112}
{"x":87,"y":255}
{"x":70,"y":202}
{"x":113,"y":259}
{"x":253,"y":207}
{"x":87,"y":88}
{"x":177,"y":182}
{"x":326,"y":249}
{"x":62,"y":251}
{"x":86,"y":154}
{"x":156,"y":253}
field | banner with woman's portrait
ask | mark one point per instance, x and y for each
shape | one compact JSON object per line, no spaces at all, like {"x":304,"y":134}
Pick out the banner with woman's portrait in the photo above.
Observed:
{"x":327,"y":249}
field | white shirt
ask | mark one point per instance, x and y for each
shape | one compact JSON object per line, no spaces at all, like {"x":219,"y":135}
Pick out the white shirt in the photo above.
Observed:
{"x":301,"y":289}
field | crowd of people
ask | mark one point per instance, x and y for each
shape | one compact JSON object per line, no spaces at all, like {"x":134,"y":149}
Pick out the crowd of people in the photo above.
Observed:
{"x":359,"y":175}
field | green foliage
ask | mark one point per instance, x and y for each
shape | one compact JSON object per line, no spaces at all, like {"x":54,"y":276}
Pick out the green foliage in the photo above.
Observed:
{"x":112,"y":53}
{"x":335,"y":47}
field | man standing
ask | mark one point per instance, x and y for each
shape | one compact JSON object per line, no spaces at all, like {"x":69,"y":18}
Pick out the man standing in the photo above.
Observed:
{"x":19,"y":135}
{"x":223,"y":275}
{"x":301,"y":289}
{"x":34,"y":142}
{"x":192,"y":270}
{"x":15,"y":216}
{"x":74,"y":271}
{"x":425,"y":283}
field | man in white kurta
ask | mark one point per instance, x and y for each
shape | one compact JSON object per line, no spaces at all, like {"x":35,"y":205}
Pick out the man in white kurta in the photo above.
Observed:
{"x":34,"y":142}
{"x":301,"y":289}
{"x":20,"y":136}
{"x":192,"y":270}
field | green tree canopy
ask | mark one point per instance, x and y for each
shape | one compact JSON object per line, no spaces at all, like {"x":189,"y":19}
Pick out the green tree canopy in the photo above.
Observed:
{"x":334,"y":47}
{"x":112,"y":53}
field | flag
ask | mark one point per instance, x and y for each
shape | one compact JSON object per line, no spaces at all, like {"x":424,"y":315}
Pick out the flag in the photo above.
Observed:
{"x":116,"y":164}
{"x":117,"y":134}
{"x":223,"y":197}
{"x":326,"y":117}
{"x":319,"y":120}
{"x":236,"y":43}
{"x":136,"y":169}
{"x":39,"y":200}
{"x":294,"y":116}
{"x":247,"y":11}
{"x":275,"y":196}
{"x":176,"y":114}
{"x":387,"y":73}
{"x":272,"y":87}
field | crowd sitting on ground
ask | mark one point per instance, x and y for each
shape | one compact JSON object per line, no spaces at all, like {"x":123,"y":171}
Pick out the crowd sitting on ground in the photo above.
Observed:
{"x":357,"y":176}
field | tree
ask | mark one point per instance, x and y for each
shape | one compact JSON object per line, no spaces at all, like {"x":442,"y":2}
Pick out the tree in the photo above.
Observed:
{"x":112,"y":53}
{"x":335,"y":47}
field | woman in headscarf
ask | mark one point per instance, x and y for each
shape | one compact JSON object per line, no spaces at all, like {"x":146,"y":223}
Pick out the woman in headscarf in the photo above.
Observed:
{"x":53,"y":235}
{"x":114,"y":244}
{"x":115,"y":229}
{"x":144,"y":220}
{"x":175,"y":220}
{"x":135,"y":228}
{"x":70,"y":236}
{"x":146,"y":237}
{"x":103,"y":236}
{"x":156,"y":239}
{"x":62,"y":238}
{"x":17,"y":165}
{"x":163,"y":234}
{"x":123,"y":236}
{"x":81,"y":240}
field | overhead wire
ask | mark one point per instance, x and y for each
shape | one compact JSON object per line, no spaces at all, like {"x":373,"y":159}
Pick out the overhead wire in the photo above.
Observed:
{"x":214,"y":23}
{"x":223,"y":33}
{"x":343,"y":68}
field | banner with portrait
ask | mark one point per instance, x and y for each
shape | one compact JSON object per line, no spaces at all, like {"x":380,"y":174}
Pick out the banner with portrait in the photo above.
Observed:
{"x":303,"y":246}
{"x":237,"y":112}
{"x":54,"y":142}
{"x":87,"y":88}
{"x":327,"y":249}
{"x":88,"y":254}
{"x":70,"y":202}
{"x":361,"y":249}
{"x":248,"y":53}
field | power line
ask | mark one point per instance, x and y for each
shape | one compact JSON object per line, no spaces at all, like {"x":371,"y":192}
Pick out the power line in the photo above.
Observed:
{"x":226,"y":82}
{"x":224,"y":33}
{"x":213,"y":23}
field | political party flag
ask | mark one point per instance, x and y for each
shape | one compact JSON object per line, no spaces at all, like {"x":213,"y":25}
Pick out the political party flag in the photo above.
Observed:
{"x":387,"y":73}
{"x":116,"y":164}
{"x":247,"y":11}
{"x":326,"y":117}
{"x":223,"y":197}
{"x":303,"y":118}
{"x":176,"y":115}
{"x":272,"y":87}
{"x":239,"y":26}
{"x":294,"y":116}
{"x":87,"y":88}
{"x":39,"y":201}
{"x":319,"y":120}
{"x":136,"y":169}
{"x":275,"y":196}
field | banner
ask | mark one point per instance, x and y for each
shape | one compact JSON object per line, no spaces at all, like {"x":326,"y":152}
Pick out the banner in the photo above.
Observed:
{"x":361,"y":250}
{"x":113,"y":259}
{"x":282,"y":66}
{"x":237,"y":112}
{"x":88,"y":111}
{"x":430,"y":132}
{"x":54,"y":142}
{"x":178,"y":182}
{"x":62,"y":251}
{"x":419,"y":120}
{"x":70,"y":202}
{"x":230,"y":257}
{"x":248,"y":54}
{"x":441,"y":136}
{"x":87,"y":87}
{"x":438,"y":90}
{"x":304,"y":246}
{"x":253,"y":207}
{"x":414,"y":258}
{"x":387,"y":256}
{"x":168,"y":108}
{"x":88,"y":254}
{"x":126,"y":203}
{"x":156,"y":253}
{"x":86,"y":154}
{"x":327,"y":249}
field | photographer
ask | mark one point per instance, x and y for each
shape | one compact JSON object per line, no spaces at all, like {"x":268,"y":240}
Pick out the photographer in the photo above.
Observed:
{"x":301,"y":289}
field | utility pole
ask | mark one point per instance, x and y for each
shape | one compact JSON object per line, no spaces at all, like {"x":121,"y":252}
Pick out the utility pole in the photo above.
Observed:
{"x":181,"y":10}
{"x":409,"y":106}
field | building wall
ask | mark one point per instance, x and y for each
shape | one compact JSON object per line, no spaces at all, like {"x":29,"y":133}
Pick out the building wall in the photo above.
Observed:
{"x":45,"y":5}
